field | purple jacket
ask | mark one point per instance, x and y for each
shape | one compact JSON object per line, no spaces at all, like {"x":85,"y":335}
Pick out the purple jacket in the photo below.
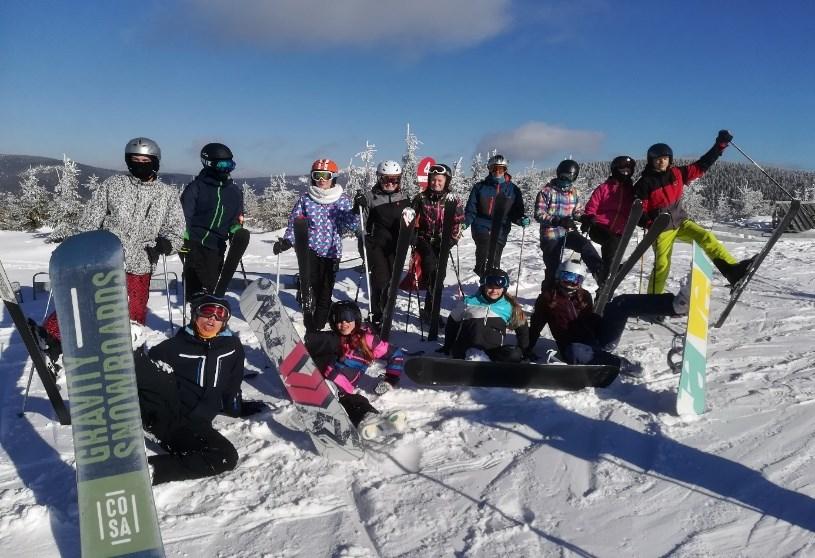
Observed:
{"x":326,"y":224}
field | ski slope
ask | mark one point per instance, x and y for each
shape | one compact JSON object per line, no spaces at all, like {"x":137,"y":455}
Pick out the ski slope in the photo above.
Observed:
{"x":480,"y":472}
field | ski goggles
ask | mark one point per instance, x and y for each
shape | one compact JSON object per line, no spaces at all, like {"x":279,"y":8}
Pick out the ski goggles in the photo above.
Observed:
{"x":500,"y":281}
{"x":345,"y":315}
{"x":571,"y":278}
{"x":318,"y":175}
{"x":213,"y":310}
{"x":225,"y":165}
{"x":437,"y":169}
{"x":390,"y":179}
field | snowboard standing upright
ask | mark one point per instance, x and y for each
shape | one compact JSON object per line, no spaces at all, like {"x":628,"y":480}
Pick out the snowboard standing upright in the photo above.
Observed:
{"x":45,"y":368}
{"x":304,"y":269}
{"x":406,"y":228}
{"x":117,"y":515}
{"x":795,"y":206}
{"x":441,"y":267}
{"x":315,"y":399}
{"x":690,"y":399}
{"x":237,"y":247}
{"x":631,"y":224}
{"x":499,"y":212}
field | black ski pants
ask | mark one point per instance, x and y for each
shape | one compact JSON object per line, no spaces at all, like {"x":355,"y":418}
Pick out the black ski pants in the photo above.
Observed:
{"x":608,"y":242}
{"x":380,"y":263}
{"x":322,"y":274}
{"x":429,"y":255}
{"x":482,"y":247}
{"x":202,"y":267}
{"x":552,"y":249}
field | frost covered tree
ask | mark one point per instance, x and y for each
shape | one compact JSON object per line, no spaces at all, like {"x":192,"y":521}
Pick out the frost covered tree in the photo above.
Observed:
{"x":368,"y":169}
{"x":724,"y":209}
{"x":409,"y":163}
{"x":459,"y":185}
{"x":749,"y":202}
{"x":67,"y":207}
{"x":93,"y":183}
{"x":34,"y":204}
{"x":693,"y":200}
{"x":276,"y":203}
{"x":478,"y":168}
{"x":251,"y":204}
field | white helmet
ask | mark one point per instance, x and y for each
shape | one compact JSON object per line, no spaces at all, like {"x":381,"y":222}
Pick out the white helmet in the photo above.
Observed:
{"x":572,"y":272}
{"x":497,"y":160}
{"x":390,"y":168}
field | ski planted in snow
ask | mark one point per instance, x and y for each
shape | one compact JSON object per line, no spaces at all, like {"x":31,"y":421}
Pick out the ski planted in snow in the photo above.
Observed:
{"x":438,"y":371}
{"x":500,"y":208}
{"x":42,"y":364}
{"x":406,"y":229}
{"x":631,"y":224}
{"x":450,"y":207}
{"x":690,"y":399}
{"x":117,"y":516}
{"x":660,"y":224}
{"x":315,"y":399}
{"x":795,"y":206}
{"x":237,"y":246}
{"x":304,"y":296}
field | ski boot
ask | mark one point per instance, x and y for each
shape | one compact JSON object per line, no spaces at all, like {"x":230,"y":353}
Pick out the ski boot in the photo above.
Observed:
{"x":49,"y":346}
{"x":733,"y":272}
{"x":376,"y":427}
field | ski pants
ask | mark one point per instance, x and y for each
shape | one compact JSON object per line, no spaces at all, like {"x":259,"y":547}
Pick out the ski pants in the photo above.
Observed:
{"x":688,"y":231}
{"x":202,"y":267}
{"x":138,"y":292}
{"x":380,"y":262}
{"x":482,"y":248}
{"x":552,"y":249}
{"x":322,"y":274}
{"x":430,"y":260}
{"x":611,"y":328}
{"x":608,"y":242}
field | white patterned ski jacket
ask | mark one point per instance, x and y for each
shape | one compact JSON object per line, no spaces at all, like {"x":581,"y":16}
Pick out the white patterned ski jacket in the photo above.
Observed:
{"x":138,"y":213}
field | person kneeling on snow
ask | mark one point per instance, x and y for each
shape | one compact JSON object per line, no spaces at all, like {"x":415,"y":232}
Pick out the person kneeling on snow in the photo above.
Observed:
{"x":183,"y":383}
{"x":345,"y":354}
{"x":478,"y":324}
{"x":584,"y":337}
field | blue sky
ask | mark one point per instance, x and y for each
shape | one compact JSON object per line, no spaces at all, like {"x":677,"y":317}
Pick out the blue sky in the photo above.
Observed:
{"x":283,"y":82}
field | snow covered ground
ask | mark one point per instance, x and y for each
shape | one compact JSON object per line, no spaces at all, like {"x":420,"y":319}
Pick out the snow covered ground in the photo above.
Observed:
{"x":481,"y":472}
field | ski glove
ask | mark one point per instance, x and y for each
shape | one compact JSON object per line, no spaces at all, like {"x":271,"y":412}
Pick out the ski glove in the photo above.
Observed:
{"x":281,"y":245}
{"x":249,"y":408}
{"x":724,"y":138}
{"x":586,"y":222}
{"x":525,"y":221}
{"x":360,"y":201}
{"x":164,"y":246}
{"x":566,"y":222}
{"x":356,"y":405}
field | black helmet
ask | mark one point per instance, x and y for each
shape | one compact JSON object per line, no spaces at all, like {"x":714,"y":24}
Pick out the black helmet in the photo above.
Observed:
{"x":218,"y":157}
{"x":207,"y":304}
{"x":660,"y":150}
{"x":345,"y":311}
{"x":568,"y":170}
{"x":441,"y":168}
{"x":496,"y":276}
{"x":623,"y":167}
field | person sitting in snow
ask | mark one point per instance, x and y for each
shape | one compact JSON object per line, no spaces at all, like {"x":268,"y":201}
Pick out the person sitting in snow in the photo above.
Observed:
{"x":183,"y":382}
{"x":477,"y":326}
{"x":584,"y":337}
{"x":345,"y":354}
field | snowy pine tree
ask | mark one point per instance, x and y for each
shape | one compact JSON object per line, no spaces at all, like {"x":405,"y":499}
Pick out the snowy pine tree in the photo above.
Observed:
{"x":368,"y":169}
{"x":693,"y":200}
{"x":724,"y":208}
{"x":251,"y":204}
{"x":409,"y":163}
{"x":276,"y":203}
{"x":34,"y":203}
{"x":67,"y":209}
{"x":749,"y":202}
{"x":460,"y":186}
{"x":478,"y":168}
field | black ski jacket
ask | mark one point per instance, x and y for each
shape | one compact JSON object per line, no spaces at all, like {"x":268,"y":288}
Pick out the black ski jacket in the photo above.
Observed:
{"x":384,"y":212}
{"x":212,"y":209}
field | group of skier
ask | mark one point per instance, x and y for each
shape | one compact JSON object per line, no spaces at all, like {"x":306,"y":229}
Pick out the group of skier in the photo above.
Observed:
{"x":205,"y":362}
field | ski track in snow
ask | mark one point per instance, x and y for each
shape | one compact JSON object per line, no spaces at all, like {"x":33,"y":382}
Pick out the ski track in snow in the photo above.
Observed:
{"x":480,"y":472}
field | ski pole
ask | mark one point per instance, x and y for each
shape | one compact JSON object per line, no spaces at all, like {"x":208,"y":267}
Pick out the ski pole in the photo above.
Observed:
{"x":243,"y":272}
{"x":277,"y":285}
{"x":520,"y":261}
{"x":183,"y":290}
{"x":167,"y":290}
{"x":790,"y":196}
{"x":455,"y":268}
{"x":365,"y":258}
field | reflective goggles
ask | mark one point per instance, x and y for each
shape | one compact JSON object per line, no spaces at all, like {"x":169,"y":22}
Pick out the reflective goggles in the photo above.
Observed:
{"x":318,"y":175}
{"x":499,"y":281}
{"x":345,"y":315}
{"x":390,"y":179}
{"x":213,"y":310}
{"x":225,"y":165}
{"x":437,"y":169}
{"x":571,"y":277}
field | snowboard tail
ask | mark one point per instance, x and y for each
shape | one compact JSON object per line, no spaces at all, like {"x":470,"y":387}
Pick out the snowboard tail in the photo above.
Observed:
{"x":117,"y":515}
{"x":406,"y":229}
{"x":438,"y":371}
{"x":315,"y":399}
{"x":237,"y":247}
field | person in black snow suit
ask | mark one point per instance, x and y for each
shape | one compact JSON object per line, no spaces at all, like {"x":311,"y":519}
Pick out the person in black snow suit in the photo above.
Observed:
{"x":384,"y":204}
{"x":213,"y":210}
{"x":183,"y":383}
{"x":478,"y":212}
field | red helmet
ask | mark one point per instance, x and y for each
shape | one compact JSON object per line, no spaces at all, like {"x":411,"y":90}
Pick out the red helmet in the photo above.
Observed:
{"x":325,"y":165}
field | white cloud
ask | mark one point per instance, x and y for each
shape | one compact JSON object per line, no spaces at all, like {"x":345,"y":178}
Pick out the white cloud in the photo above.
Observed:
{"x":413,"y":25}
{"x":541,"y":141}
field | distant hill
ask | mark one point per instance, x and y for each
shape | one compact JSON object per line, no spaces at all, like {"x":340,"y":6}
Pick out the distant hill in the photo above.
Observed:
{"x":12,"y":165}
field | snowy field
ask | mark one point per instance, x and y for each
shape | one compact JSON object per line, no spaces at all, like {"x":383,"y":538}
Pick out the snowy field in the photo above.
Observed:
{"x":481,"y":472}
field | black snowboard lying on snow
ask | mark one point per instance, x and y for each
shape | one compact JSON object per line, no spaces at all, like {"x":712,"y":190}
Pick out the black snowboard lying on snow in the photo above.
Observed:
{"x":437,"y":371}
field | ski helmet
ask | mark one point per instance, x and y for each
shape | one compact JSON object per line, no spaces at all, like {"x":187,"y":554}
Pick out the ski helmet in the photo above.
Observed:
{"x":442,"y":169}
{"x":345,"y":311}
{"x":205,"y":304}
{"x":390,"y":168}
{"x":660,"y":150}
{"x":143,"y":146}
{"x":497,"y":277}
{"x":322,"y":166}
{"x":623,"y":167}
{"x":568,"y":170}
{"x":497,"y":160}
{"x":570,"y":274}
{"x":218,"y":157}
